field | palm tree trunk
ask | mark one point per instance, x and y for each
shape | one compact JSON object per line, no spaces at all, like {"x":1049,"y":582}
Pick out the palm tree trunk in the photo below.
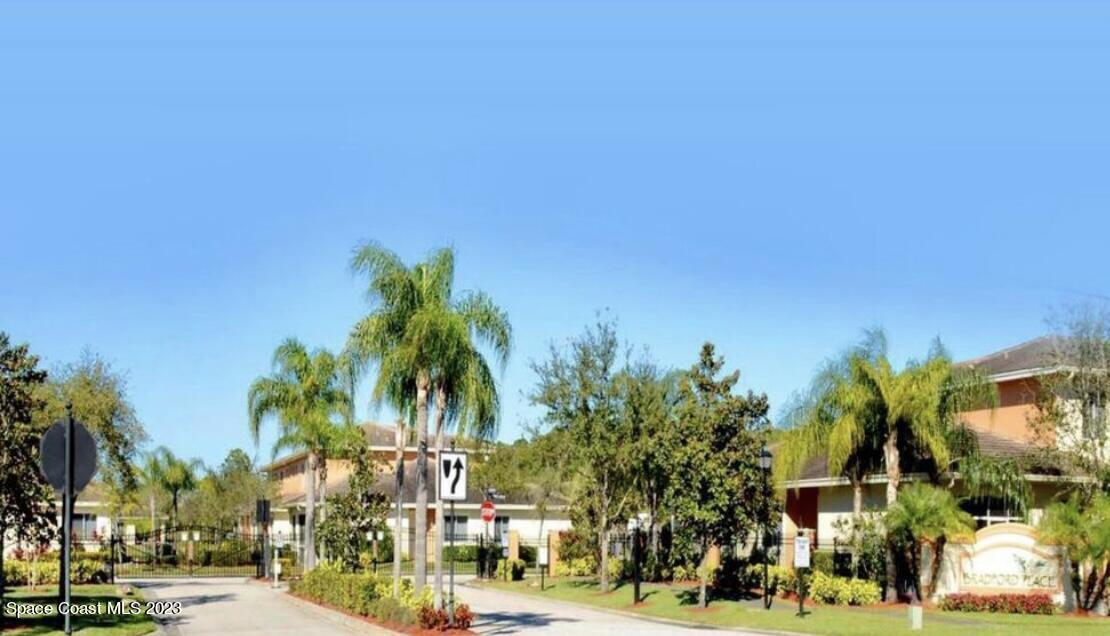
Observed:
{"x":310,"y":513}
{"x":323,"y":498}
{"x":399,"y":482}
{"x":441,"y":401}
{"x":938,"y":560}
{"x":857,"y":512}
{"x":420,"y":569}
{"x":893,"y":476}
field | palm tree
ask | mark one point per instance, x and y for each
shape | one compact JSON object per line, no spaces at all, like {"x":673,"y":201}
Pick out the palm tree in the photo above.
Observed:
{"x":868,"y":415}
{"x":422,"y":341}
{"x":1081,"y":526}
{"x":925,"y":516}
{"x":306,"y":394}
{"x":150,"y":478}
{"x":174,"y":475}
{"x":465,"y":392}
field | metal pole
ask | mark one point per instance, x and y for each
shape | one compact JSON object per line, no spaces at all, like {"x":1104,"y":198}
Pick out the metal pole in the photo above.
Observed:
{"x":451,"y":592}
{"x":636,"y":564}
{"x":766,"y":592}
{"x":67,"y":543}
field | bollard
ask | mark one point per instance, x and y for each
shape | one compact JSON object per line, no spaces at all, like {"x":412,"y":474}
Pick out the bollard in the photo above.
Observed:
{"x":916,"y":617}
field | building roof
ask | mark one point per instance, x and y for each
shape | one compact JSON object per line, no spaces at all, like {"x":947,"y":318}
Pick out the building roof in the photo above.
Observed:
{"x":385,"y":484}
{"x":990,"y":445}
{"x":377,"y":436}
{"x":1028,"y":358}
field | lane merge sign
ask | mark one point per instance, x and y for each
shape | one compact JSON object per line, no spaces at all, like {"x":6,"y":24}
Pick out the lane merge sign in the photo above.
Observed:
{"x":452,"y":476}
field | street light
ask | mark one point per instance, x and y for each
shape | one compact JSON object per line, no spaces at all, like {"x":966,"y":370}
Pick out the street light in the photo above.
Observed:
{"x":765,"y":467}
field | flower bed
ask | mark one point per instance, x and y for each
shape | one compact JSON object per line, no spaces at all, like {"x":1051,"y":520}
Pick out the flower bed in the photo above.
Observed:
{"x":1000,"y":603}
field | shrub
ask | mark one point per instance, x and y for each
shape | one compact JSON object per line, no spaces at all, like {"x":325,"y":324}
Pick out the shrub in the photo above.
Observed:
{"x":618,"y":569}
{"x":582,"y":566}
{"x":433,"y":619}
{"x":528,"y":553}
{"x":388,"y":610}
{"x":823,"y":561}
{"x":1000,"y":603}
{"x":83,"y":570}
{"x":779,"y":579}
{"x":463,"y":553}
{"x":511,"y":568}
{"x":838,"y":590}
{"x":464,"y":618}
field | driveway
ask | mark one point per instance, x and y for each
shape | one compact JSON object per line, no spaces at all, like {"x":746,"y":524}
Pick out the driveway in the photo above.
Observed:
{"x":508,"y":613}
{"x":242,"y":607}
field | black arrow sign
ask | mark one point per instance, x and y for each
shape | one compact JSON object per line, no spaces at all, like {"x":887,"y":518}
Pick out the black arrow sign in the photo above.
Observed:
{"x":458,"y":474}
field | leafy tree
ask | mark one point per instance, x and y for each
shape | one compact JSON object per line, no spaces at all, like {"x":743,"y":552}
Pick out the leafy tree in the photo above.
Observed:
{"x":925,"y":516}
{"x":174,"y":475}
{"x":1072,"y":421}
{"x":353,"y":514}
{"x":578,"y":388}
{"x":228,"y":494}
{"x":307,"y":395}
{"x":98,"y":394}
{"x":1082,"y":529}
{"x":719,"y":498}
{"x":26,"y":507}
{"x":425,"y":344}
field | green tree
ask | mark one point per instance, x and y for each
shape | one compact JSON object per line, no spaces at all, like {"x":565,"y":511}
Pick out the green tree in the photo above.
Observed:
{"x":925,"y":516}
{"x":98,"y":393}
{"x":719,"y":498}
{"x":227,"y":494}
{"x":306,"y":394}
{"x":1082,"y":529}
{"x":578,"y":388}
{"x":355,"y":513}
{"x":175,"y":475}
{"x":26,"y":507}
{"x":425,"y":343}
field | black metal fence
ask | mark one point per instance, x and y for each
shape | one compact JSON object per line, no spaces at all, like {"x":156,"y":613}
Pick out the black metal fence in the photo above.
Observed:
{"x":183,"y":552}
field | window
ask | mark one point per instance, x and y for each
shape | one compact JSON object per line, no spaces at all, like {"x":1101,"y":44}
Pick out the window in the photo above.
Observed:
{"x":84,"y":526}
{"x":454,"y":527}
{"x":500,"y":527}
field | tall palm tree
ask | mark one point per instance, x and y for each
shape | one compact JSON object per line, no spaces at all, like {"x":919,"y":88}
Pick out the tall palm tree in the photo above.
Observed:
{"x":150,"y":478}
{"x":466,"y":394}
{"x":174,"y":475}
{"x":306,"y":394}
{"x":424,"y":343}
{"x":869,"y":411}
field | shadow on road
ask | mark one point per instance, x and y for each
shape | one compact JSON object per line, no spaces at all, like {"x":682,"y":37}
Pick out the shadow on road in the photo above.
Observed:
{"x":513,"y":622}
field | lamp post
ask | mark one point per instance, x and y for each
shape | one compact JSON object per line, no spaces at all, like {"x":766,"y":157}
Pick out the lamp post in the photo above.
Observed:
{"x":634,"y":527}
{"x":765,"y":467}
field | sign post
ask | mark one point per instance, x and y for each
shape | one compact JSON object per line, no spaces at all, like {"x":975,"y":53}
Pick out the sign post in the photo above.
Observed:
{"x":801,"y":564}
{"x":67,"y":457}
{"x":451,"y":486}
{"x":488,"y":513}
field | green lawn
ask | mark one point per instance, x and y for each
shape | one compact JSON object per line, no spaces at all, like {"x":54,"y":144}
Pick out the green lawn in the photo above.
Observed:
{"x":677,"y":602}
{"x":95,"y":625}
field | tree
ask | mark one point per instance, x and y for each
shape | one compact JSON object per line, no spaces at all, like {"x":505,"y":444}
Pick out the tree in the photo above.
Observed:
{"x":98,"y":393}
{"x":354,"y":514}
{"x":306,"y":395}
{"x":26,"y":507}
{"x":577,"y":386}
{"x":1072,"y":420}
{"x":228,"y":494}
{"x":174,"y":475}
{"x":1082,"y":529}
{"x":719,"y":498}
{"x":424,"y":342}
{"x":925,"y":516}
{"x":909,"y":414}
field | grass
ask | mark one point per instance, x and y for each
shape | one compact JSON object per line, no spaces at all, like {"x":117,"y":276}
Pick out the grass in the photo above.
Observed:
{"x":678,"y":602}
{"x":102,"y":624}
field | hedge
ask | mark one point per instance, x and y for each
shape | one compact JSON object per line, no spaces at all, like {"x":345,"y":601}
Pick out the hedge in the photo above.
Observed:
{"x":370,"y":595}
{"x":838,"y":590}
{"x":511,"y":568}
{"x":999,"y":603}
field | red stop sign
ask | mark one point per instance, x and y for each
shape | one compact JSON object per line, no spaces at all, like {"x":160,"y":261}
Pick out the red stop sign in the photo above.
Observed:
{"x":488,"y":511}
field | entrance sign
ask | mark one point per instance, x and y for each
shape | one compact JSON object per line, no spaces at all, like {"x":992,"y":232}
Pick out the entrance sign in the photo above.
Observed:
{"x":801,"y":551}
{"x":52,"y":456}
{"x":488,"y":511}
{"x":452,"y":476}
{"x":1004,"y":557}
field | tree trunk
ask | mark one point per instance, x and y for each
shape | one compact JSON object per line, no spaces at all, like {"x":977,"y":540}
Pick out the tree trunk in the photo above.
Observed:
{"x":323,"y":498}
{"x":420,"y":559}
{"x":857,"y":513}
{"x":893,"y":476}
{"x":399,"y":480}
{"x":938,"y":559}
{"x":441,"y":416}
{"x":603,"y":536}
{"x":309,"y":537}
{"x":703,"y":596}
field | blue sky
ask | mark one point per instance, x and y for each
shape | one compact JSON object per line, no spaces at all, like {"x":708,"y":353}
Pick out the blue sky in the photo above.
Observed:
{"x":182,"y":183}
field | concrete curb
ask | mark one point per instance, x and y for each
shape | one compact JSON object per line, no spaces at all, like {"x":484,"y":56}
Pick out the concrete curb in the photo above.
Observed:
{"x":642,"y":617}
{"x":337,"y":617}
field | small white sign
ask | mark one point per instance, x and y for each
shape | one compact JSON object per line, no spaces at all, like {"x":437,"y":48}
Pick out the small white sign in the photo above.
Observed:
{"x":452,"y":476}
{"x":801,"y":551}
{"x":543,"y":555}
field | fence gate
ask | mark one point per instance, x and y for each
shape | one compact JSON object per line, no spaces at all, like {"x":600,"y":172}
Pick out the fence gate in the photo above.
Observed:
{"x":188,"y":551}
